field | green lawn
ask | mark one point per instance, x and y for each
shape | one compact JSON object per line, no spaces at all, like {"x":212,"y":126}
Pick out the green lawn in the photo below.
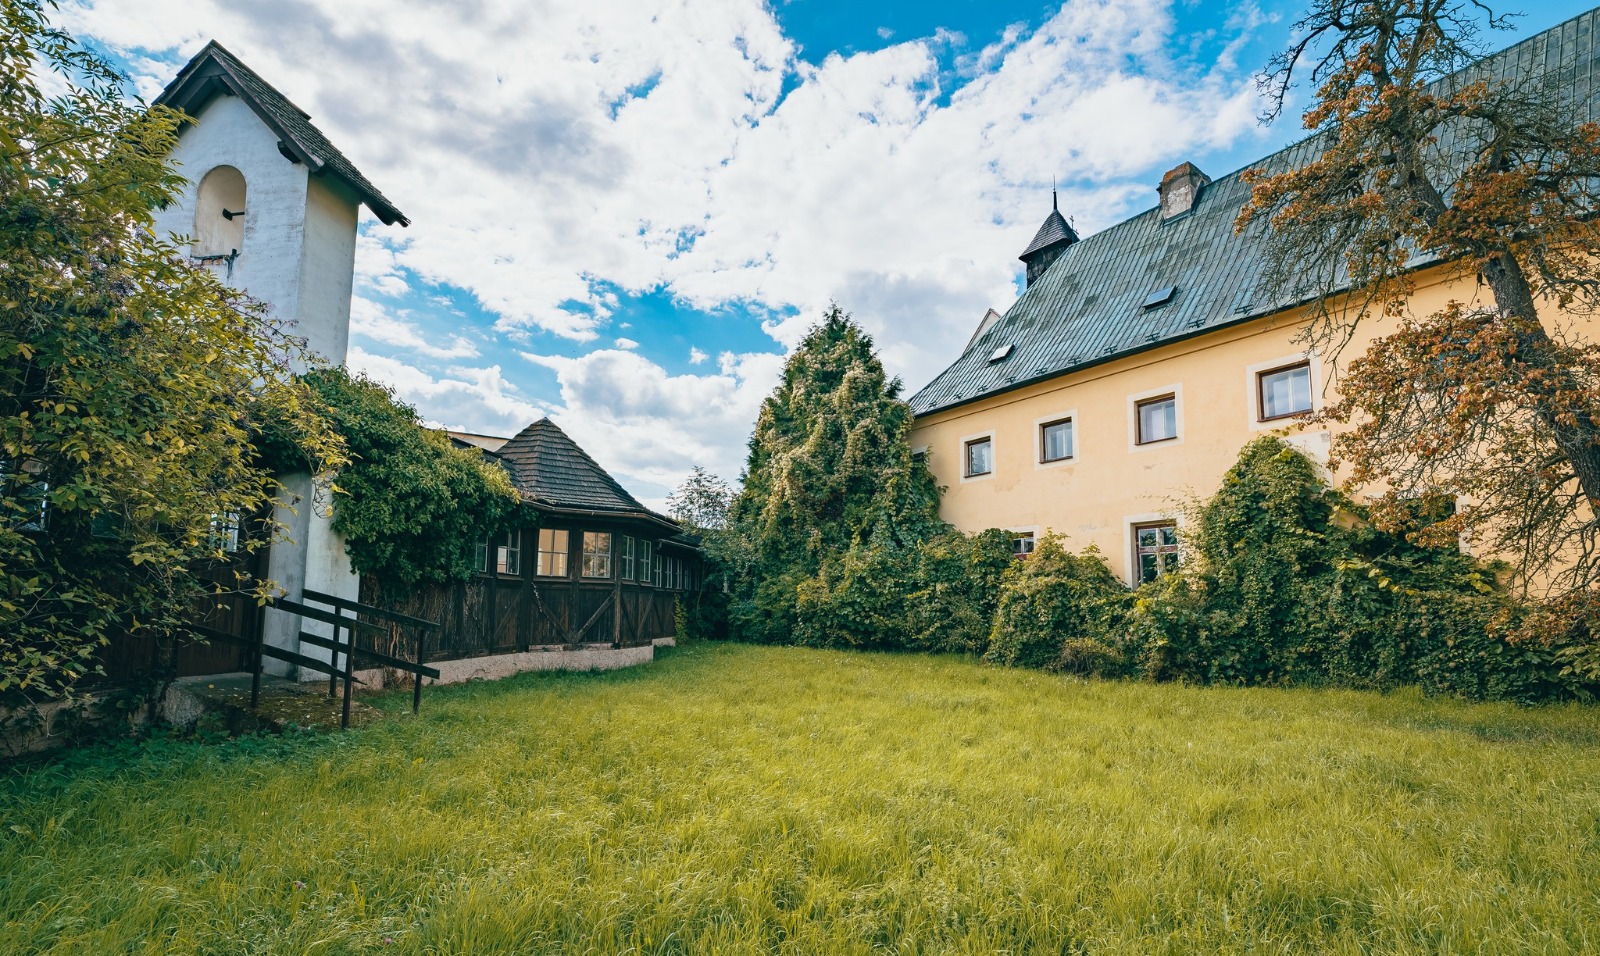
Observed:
{"x":734,"y":799}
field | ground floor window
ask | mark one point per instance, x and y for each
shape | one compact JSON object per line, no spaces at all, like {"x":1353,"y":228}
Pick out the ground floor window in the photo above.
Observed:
{"x":553,"y":545}
{"x":597,"y":554}
{"x":625,"y":559}
{"x":505,"y":549}
{"x":1155,"y":549}
{"x":646,"y":556}
{"x":1022,"y":544}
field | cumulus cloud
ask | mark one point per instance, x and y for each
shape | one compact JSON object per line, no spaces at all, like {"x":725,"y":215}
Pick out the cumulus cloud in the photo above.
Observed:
{"x":371,"y":321}
{"x":686,"y":146}
{"x":464,"y":398}
{"x":642,"y":422}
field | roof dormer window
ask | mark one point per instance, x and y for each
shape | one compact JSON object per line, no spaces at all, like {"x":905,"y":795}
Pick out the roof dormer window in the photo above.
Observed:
{"x":1001,"y":354}
{"x":1161,"y":296}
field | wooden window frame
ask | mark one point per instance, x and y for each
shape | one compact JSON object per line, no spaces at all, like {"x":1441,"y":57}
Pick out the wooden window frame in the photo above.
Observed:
{"x":1139,"y":406}
{"x":966,"y":456}
{"x":625,"y":559}
{"x":565,"y":554}
{"x":588,"y":557}
{"x":647,"y":556}
{"x":1044,"y":440}
{"x":1175,"y":549}
{"x":1261,"y":395}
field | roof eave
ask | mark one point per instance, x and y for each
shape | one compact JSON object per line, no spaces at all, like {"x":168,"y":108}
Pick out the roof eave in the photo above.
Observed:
{"x":189,"y":92}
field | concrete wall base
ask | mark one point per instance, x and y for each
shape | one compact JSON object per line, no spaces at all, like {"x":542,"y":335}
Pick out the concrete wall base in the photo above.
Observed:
{"x":600,"y":657}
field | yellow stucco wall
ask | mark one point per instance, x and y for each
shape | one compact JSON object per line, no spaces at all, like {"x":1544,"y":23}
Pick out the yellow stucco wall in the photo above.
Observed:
{"x":1111,"y":484}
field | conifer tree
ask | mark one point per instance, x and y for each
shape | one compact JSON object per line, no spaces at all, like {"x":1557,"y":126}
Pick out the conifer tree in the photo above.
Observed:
{"x":830,"y":465}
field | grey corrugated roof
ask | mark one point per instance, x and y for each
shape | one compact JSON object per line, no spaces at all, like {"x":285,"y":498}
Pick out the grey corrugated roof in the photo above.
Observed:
{"x":1054,"y":229}
{"x":550,"y":470}
{"x":1087,"y":308}
{"x":214,"y":70}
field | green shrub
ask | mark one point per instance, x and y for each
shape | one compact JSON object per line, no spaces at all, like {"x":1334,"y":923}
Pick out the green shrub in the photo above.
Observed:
{"x":1049,"y":600}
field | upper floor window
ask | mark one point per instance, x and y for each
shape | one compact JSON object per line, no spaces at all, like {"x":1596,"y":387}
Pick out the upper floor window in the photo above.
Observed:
{"x":979,"y":454}
{"x":1283,"y":392}
{"x":1156,"y":419}
{"x":553,"y":545}
{"x":1155,"y":548}
{"x":1056,"y":441}
{"x":597,"y":554}
{"x":219,"y":211}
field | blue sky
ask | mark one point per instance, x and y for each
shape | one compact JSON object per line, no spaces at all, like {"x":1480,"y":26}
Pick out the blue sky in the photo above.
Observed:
{"x":625,"y":211}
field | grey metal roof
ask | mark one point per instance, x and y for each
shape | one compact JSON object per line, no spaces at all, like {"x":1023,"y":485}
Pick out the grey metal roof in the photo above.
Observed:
{"x":1088,"y":307}
{"x":551,"y":471}
{"x":214,"y":71}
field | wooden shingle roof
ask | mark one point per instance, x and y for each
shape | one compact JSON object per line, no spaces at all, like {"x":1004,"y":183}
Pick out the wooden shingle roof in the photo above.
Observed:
{"x":551,"y":472}
{"x":214,"y":71}
{"x":1089,"y":306}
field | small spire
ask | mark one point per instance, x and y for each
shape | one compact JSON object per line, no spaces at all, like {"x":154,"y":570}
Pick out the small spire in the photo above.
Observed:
{"x":1053,"y":204}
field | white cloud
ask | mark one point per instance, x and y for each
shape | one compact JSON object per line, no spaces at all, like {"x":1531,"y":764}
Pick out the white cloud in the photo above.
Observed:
{"x":470,"y":399}
{"x":369,"y":320}
{"x":644,"y":145}
{"x":649,"y":427}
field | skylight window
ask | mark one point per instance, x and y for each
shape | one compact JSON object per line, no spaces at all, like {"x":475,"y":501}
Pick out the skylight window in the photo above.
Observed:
{"x":1161,"y":296}
{"x":1001,"y":354}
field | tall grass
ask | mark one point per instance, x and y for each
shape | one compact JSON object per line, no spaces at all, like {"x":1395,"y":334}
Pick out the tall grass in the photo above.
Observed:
{"x":751,"y":800}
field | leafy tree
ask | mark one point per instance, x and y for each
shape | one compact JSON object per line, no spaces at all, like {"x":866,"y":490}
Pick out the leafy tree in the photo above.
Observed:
{"x":1422,"y":157}
{"x":410,"y":505}
{"x":133,"y":386}
{"x":701,"y":503}
{"x":830,"y":467}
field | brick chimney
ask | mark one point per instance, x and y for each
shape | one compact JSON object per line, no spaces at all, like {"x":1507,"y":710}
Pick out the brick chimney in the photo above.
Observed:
{"x":1180,"y":189}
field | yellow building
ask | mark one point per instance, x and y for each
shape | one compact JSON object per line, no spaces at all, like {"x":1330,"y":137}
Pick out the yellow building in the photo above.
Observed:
{"x":1139,"y":360}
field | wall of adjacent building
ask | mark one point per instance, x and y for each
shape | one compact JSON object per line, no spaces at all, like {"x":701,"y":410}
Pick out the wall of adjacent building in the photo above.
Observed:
{"x":1111,"y":484}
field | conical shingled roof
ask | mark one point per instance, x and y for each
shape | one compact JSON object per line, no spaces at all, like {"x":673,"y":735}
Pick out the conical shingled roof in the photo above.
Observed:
{"x":1055,"y":230}
{"x":214,"y":70}
{"x":550,"y":470}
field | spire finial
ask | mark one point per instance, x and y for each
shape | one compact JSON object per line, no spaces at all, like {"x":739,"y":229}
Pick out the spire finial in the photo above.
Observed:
{"x":1053,"y":204}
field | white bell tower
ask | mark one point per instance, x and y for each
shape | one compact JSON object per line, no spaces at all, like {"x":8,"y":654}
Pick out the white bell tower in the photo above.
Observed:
{"x":272,"y":206}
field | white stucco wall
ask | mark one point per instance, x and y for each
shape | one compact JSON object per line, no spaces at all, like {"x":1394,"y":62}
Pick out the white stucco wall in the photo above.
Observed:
{"x":327,"y":266}
{"x":227,"y":132}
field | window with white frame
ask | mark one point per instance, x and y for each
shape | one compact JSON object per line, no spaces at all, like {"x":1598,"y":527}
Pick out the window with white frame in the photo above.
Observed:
{"x":596,"y":554}
{"x":625,"y":559}
{"x":646,"y":554}
{"x":661,"y":570}
{"x":1155,"y":550}
{"x":553,"y":545}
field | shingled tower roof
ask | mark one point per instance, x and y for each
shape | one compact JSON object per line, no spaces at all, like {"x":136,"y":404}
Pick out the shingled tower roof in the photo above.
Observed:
{"x":214,"y":72}
{"x":552,"y":472}
{"x":1053,"y":230}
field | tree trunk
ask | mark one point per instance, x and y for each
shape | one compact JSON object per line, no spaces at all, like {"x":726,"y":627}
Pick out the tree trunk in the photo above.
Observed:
{"x":1577,"y":438}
